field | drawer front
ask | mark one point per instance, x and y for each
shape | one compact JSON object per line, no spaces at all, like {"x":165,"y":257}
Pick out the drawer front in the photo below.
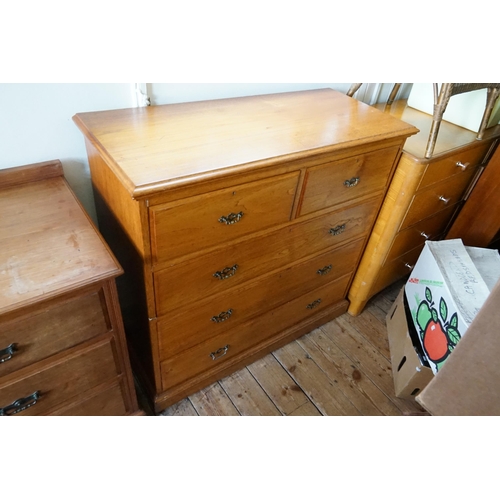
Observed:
{"x":179,"y":229}
{"x":248,"y":260}
{"x":438,"y":197}
{"x":215,"y":353}
{"x":199,"y":322}
{"x":439,"y":170}
{"x":68,"y":378}
{"x":348,"y":179}
{"x":106,"y":403}
{"x":427,"y":229}
{"x":52,"y":330}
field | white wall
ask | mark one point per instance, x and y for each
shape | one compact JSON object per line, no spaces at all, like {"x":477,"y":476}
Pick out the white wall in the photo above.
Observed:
{"x":36,"y":118}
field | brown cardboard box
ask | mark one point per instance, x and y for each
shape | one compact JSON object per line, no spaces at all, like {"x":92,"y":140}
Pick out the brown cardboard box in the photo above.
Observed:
{"x":410,"y":374}
{"x":468,"y":384}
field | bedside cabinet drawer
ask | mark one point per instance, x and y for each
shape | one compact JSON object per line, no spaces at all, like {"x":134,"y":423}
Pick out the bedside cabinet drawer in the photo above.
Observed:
{"x":438,"y":197}
{"x":179,"y":229}
{"x":56,"y":328}
{"x":448,"y":167}
{"x":199,"y":322}
{"x":351,"y":178}
{"x":208,"y":356}
{"x":37,"y":393}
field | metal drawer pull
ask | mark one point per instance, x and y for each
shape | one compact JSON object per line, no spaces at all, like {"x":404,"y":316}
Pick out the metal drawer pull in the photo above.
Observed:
{"x":223,"y":316}
{"x":444,"y":200}
{"x":424,"y":235}
{"x":20,"y":405}
{"x":231,"y":219}
{"x":226,"y":273}
{"x":463,"y":166}
{"x":352,"y":182}
{"x":409,"y":266}
{"x":7,"y":353}
{"x":315,"y":304}
{"x":220,"y":353}
{"x":337,"y":230}
{"x":325,"y":270}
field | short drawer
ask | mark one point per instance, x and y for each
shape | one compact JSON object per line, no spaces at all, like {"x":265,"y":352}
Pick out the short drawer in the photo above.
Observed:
{"x":439,"y":170}
{"x":348,"y":179}
{"x":69,"y":377}
{"x":57,"y":327}
{"x":437,"y":197}
{"x":199,"y":321}
{"x":431,"y":228}
{"x":217,"y":218}
{"x":211,"y":356}
{"x":224,"y":269}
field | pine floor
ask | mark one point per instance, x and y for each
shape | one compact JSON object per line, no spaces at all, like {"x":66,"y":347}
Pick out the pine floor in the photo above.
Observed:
{"x":342,"y":368}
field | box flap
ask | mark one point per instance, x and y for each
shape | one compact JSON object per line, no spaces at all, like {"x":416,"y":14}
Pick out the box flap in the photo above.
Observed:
{"x":469,"y":383}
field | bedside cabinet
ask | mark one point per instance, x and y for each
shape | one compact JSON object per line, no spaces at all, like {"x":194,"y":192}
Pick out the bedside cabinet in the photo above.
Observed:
{"x":423,"y":199}
{"x":62,"y":345}
{"x":239,"y":223}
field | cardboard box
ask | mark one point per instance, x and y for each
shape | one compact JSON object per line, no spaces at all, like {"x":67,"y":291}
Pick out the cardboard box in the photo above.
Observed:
{"x":469,"y":382}
{"x":445,"y":292}
{"x":410,"y":371}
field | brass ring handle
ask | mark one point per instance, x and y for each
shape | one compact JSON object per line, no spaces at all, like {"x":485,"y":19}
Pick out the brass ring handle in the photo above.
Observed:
{"x":7,"y":353}
{"x":223,"y":316}
{"x":338,"y":230}
{"x":463,"y":166}
{"x":20,"y":405}
{"x":325,"y":270}
{"x":444,"y":200}
{"x":219,"y":353}
{"x":231,"y":219}
{"x":352,"y":182}
{"x":226,"y":273}
{"x":314,"y":304}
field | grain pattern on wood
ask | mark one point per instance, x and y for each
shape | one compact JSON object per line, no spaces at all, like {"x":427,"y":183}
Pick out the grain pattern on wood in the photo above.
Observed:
{"x":247,"y":395}
{"x":323,"y":392}
{"x":212,"y":402}
{"x":279,"y":386}
{"x":306,"y":410}
{"x":183,"y":408}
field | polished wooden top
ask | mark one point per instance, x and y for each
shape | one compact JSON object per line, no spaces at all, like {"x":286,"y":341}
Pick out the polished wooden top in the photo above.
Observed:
{"x":153,"y":148}
{"x":450,"y":136}
{"x":48,"y":244}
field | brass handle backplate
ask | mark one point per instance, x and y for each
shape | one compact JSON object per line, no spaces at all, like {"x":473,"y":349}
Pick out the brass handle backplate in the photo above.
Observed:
{"x":231,"y":219}
{"x":219,"y":353}
{"x":314,"y":304}
{"x":7,"y":353}
{"x":223,"y":316}
{"x":338,"y":230}
{"x":352,"y":182}
{"x":20,"y":405}
{"x":226,"y":273}
{"x":325,"y":270}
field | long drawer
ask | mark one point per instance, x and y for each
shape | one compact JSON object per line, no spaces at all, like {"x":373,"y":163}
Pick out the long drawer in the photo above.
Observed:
{"x":213,"y":219}
{"x":201,"y":321}
{"x":29,"y":339}
{"x":211,"y":355}
{"x":348,"y":179}
{"x":242,"y":262}
{"x":69,"y":377}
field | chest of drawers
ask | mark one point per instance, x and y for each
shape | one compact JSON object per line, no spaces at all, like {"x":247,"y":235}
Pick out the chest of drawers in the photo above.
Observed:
{"x":423,"y":199}
{"x":62,"y":345}
{"x":239,"y":223}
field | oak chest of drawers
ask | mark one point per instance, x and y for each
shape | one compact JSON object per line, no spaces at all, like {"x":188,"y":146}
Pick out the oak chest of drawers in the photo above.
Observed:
{"x":62,"y":345}
{"x":423,"y":199}
{"x":239,"y":223}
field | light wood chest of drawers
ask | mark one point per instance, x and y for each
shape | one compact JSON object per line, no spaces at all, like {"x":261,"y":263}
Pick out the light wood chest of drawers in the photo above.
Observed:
{"x":239,"y":223}
{"x":62,"y":345}
{"x":423,"y":199}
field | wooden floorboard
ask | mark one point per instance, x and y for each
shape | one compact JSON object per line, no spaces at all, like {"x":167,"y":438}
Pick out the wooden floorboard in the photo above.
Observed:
{"x":340,"y":369}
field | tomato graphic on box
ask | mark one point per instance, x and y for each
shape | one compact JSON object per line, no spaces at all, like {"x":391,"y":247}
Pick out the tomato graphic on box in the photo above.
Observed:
{"x":438,"y":334}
